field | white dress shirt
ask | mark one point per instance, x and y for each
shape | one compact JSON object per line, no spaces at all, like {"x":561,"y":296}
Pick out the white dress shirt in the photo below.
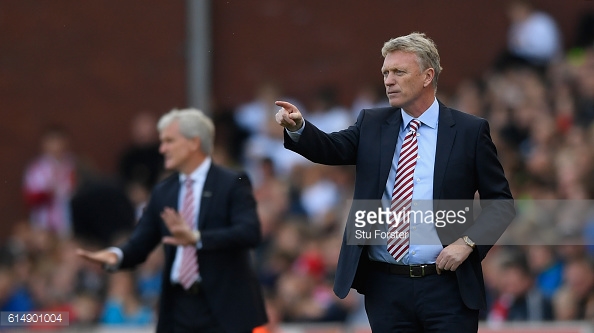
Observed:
{"x":199,"y":177}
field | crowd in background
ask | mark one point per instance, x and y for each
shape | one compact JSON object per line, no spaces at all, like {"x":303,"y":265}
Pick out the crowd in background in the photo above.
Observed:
{"x":538,"y":98}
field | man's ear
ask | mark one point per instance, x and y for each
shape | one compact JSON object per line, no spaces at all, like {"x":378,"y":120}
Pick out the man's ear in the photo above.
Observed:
{"x":429,"y":74}
{"x":196,"y":143}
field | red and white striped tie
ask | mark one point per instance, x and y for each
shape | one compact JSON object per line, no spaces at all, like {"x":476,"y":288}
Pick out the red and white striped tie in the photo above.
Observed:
{"x":402,"y":194}
{"x":188,"y":273}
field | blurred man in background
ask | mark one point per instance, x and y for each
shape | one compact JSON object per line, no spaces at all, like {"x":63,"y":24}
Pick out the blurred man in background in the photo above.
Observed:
{"x":206,"y":216}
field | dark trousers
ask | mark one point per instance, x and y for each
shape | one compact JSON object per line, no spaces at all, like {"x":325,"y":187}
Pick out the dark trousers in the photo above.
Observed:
{"x":399,"y":303}
{"x":192,"y":313}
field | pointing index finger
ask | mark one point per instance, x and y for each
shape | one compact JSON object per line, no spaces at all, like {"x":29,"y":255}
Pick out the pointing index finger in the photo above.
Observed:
{"x":288,"y":106}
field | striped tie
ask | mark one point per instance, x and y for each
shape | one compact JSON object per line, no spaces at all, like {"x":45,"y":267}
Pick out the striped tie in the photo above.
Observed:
{"x":402,"y":195}
{"x":188,"y":273}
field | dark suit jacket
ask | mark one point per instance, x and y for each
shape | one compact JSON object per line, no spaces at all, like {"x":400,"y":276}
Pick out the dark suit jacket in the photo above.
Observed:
{"x":229,"y":227}
{"x":465,"y":162}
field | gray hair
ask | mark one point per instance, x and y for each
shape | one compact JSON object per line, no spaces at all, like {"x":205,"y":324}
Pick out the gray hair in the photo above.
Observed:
{"x":192,"y":123}
{"x":419,"y":44}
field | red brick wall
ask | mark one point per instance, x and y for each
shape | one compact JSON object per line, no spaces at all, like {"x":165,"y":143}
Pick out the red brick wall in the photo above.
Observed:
{"x":306,"y":44}
{"x":91,"y":65}
{"x":88,"y":65}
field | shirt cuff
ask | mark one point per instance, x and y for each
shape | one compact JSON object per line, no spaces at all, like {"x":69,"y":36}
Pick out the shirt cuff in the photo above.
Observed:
{"x":118,"y":252}
{"x":198,"y":235}
{"x":297,"y":134}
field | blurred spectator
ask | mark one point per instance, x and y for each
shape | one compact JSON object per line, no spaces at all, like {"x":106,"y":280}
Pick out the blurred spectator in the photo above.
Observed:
{"x":491,"y":266}
{"x":141,"y":164}
{"x":272,"y":196}
{"x":326,"y":113}
{"x":585,"y":30}
{"x":101,"y":210}
{"x":263,"y":140}
{"x":253,"y":116}
{"x":583,"y":74}
{"x":469,"y":97}
{"x":86,"y":308}
{"x":579,"y":281}
{"x":547,"y":268}
{"x":368,"y":96}
{"x":565,"y":305}
{"x":141,"y":161}
{"x":518,"y":298}
{"x":49,"y":182}
{"x":570,"y":246}
{"x":123,"y":305}
{"x":533,"y":36}
{"x":149,"y":278}
{"x":13,"y":293}
{"x":15,"y":269}
{"x":319,"y":194}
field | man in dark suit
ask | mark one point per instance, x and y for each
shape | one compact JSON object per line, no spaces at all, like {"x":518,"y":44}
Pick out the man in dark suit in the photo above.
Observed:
{"x":209,"y":284}
{"x":430,"y":279}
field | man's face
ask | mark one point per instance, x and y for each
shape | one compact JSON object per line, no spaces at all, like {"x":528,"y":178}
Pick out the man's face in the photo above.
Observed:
{"x":55,"y":145}
{"x":177,"y":150}
{"x":514,"y":281}
{"x":403,"y":78}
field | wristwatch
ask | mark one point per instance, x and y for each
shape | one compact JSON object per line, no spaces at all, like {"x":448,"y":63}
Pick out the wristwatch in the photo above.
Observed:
{"x":197,"y":236}
{"x":469,"y":242}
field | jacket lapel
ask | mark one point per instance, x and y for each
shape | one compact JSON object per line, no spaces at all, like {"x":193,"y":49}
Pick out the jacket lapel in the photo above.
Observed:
{"x":389,"y":138}
{"x":171,"y":199}
{"x":207,"y":193}
{"x":446,"y":133}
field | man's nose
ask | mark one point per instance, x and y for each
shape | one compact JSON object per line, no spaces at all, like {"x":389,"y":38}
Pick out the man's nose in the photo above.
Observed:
{"x":389,"y":80}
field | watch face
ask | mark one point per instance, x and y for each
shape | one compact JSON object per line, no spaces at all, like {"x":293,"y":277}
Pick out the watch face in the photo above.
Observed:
{"x":468,"y":241}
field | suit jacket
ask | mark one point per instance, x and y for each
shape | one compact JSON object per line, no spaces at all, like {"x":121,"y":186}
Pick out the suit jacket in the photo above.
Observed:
{"x":229,"y":228}
{"x":465,"y":162}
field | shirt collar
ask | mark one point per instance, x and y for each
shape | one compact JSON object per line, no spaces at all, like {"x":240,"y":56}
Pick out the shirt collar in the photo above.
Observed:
{"x":199,"y":173}
{"x":429,"y":117}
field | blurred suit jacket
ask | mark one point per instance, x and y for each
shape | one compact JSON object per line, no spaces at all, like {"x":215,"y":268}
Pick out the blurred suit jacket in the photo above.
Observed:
{"x":229,"y":228}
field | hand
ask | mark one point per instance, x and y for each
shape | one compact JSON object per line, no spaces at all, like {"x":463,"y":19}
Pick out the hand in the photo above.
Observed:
{"x":452,"y":256}
{"x":179,"y":229}
{"x":289,"y":116}
{"x":103,"y":257}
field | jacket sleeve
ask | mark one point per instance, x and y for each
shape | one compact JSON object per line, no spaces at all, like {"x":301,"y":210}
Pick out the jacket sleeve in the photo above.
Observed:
{"x":337,"y":148}
{"x":145,"y":237}
{"x":497,"y":205}
{"x":243,"y":227}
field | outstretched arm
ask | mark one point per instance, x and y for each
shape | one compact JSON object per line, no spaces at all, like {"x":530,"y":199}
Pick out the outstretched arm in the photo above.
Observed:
{"x":105,"y":257}
{"x":337,"y":148}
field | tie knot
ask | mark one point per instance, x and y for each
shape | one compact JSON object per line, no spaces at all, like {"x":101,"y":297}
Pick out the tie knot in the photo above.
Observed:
{"x":414,"y":125}
{"x":189,"y":182}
